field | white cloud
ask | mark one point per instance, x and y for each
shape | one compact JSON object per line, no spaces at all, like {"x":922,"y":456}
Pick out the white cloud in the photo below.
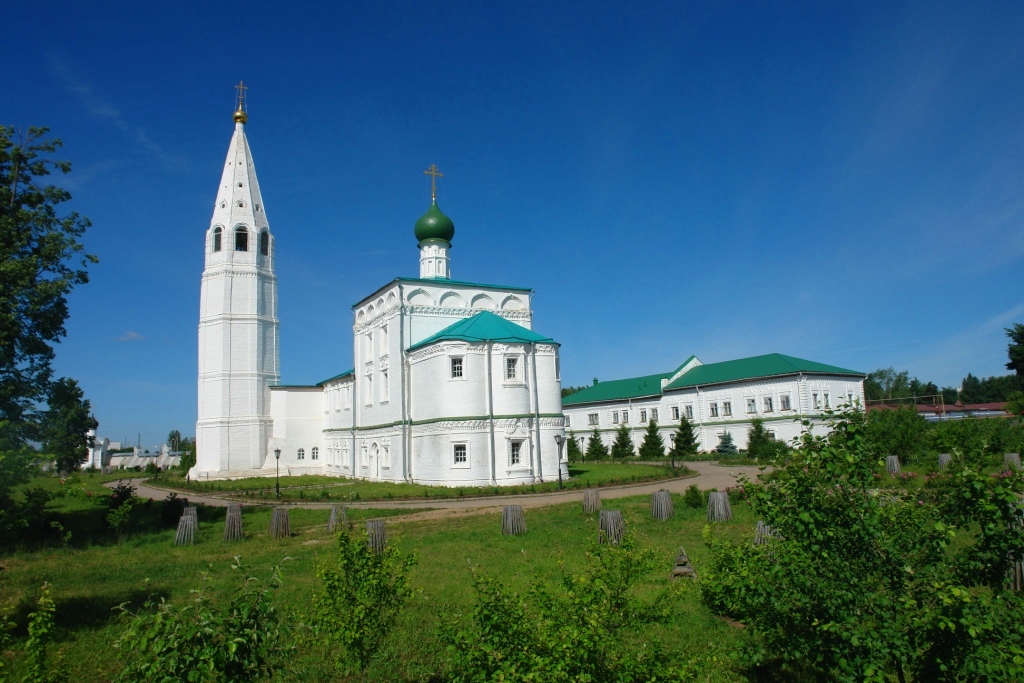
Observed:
{"x":130,"y":335}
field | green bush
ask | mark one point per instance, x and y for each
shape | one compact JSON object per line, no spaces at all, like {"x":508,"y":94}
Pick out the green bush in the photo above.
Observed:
{"x":693,"y":498}
{"x":210,"y":638}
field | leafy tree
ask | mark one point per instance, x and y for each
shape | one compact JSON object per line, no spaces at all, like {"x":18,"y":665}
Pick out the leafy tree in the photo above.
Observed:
{"x":1015,"y":403}
{"x":359,"y":599}
{"x":653,"y":446}
{"x":65,"y":424}
{"x":693,"y":498}
{"x":596,"y":450}
{"x":188,"y":455}
{"x":897,"y":432}
{"x":886,"y":383}
{"x":572,"y":448}
{"x":857,"y":586}
{"x":174,"y":439}
{"x":209,"y":638}
{"x":623,"y":446}
{"x":591,"y":627}
{"x":685,"y":442}
{"x":989,"y":389}
{"x":42,"y":260}
{"x":760,"y":445}
{"x":1016,"y":348}
{"x":568,"y":391}
{"x":726,"y":445}
{"x":41,"y":634}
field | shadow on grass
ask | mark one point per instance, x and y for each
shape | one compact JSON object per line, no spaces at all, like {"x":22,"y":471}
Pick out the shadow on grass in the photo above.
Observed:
{"x":90,"y":612}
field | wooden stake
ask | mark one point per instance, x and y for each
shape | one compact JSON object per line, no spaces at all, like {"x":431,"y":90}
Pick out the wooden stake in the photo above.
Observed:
{"x":612,"y":528}
{"x":892,"y":465}
{"x":187,"y":525}
{"x":591,"y":501}
{"x":279,"y":525}
{"x":719,"y":509}
{"x":661,"y":505}
{"x":513,"y":523}
{"x":376,"y":535}
{"x":944,"y":460}
{"x":233,"y":523}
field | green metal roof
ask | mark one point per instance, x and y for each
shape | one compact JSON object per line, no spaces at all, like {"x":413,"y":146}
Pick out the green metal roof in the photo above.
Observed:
{"x":770,"y":365}
{"x":619,"y":389}
{"x":331,"y":379}
{"x":485,"y":326}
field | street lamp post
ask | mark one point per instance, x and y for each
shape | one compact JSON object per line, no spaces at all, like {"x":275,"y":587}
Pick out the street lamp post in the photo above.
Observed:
{"x":277,"y":458}
{"x":559,"y":439}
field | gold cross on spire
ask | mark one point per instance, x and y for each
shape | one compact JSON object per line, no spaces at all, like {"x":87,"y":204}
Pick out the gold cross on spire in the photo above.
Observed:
{"x":434,"y":175}
{"x":241,"y":88}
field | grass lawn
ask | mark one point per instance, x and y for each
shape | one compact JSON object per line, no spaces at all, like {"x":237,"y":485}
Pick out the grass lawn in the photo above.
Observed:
{"x":97,"y":573}
{"x":317,"y":488}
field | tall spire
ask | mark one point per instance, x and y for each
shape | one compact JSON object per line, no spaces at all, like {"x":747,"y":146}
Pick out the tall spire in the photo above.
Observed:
{"x":241,"y":116}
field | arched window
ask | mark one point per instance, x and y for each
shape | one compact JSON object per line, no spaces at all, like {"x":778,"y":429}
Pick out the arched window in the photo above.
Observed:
{"x":264,"y":242}
{"x":301,"y":455}
{"x":315,"y":454}
{"x":241,"y":239}
{"x":216,"y":239}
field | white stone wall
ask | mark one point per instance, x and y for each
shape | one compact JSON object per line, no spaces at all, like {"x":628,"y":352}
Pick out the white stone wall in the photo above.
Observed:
{"x":784,"y":424}
{"x":298,"y":423}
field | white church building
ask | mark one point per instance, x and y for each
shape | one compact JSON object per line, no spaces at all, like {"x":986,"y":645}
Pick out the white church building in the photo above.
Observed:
{"x":449,"y":385}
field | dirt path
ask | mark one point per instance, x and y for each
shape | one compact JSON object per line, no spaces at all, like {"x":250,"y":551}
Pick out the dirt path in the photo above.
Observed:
{"x":709,"y":475}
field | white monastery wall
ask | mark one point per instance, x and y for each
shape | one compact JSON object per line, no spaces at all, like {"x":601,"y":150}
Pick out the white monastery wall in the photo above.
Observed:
{"x":297,"y":416}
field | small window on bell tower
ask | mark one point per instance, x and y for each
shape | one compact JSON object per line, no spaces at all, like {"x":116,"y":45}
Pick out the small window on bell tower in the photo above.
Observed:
{"x":265,"y":243}
{"x":241,"y":239}
{"x":216,"y":239}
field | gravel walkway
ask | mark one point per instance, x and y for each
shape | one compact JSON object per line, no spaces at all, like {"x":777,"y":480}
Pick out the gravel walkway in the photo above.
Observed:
{"x":709,"y":475}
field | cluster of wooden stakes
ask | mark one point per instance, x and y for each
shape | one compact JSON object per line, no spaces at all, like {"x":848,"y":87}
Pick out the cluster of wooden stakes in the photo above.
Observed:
{"x":611,"y":527}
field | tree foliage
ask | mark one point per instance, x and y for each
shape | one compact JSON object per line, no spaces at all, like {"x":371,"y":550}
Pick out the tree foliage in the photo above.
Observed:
{"x":596,"y":450}
{"x":653,"y":446}
{"x":360,"y":597}
{"x":726,"y":445}
{"x":900,"y":431}
{"x":760,"y":444}
{"x":591,"y":627}
{"x":861,"y":587}
{"x":65,"y":424}
{"x":622,"y":448}
{"x":41,"y":260}
{"x":572,"y":448}
{"x":1015,"y":350}
{"x":685,"y":442}
{"x":210,"y":638}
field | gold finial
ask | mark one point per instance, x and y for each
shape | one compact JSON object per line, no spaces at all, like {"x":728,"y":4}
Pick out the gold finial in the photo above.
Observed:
{"x":434,"y":175}
{"x":240,"y":115}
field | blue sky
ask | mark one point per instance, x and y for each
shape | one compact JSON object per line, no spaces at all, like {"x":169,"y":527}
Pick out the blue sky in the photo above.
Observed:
{"x":836,"y":181}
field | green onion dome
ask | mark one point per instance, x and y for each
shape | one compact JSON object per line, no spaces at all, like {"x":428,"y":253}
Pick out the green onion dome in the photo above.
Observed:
{"x":434,"y":225}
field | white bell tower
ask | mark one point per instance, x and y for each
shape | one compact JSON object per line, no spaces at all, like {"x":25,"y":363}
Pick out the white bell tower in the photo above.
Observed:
{"x":238,"y":328}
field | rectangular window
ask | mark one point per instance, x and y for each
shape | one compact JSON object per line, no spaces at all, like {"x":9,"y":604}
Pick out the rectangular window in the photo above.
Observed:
{"x":315,"y":453}
{"x":558,"y":368}
{"x":511,"y":368}
{"x":689,"y":412}
{"x":625,"y":416}
{"x":568,"y":420}
{"x":654,"y":414}
{"x":615,"y":417}
{"x":386,"y":457}
{"x":849,"y":398}
{"x":384,"y":385}
{"x":384,"y":341}
{"x":713,"y":409}
{"x":592,"y":419}
{"x":369,"y":390}
{"x":784,"y":402}
{"x":815,"y":401}
{"x":751,"y":405}
{"x":768,"y":404}
{"x":675,"y":412}
{"x":456,"y":368}
{"x":828,"y":401}
{"x":643,"y":416}
{"x":460,"y":453}
{"x":515,"y":449}
{"x":726,"y":408}
{"x":348,"y":398}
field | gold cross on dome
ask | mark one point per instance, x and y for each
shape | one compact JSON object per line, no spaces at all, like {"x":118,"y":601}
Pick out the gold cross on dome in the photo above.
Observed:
{"x":434,"y":175}
{"x":241,"y":88}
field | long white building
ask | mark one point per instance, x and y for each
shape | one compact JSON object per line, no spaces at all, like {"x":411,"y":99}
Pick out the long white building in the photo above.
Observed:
{"x":717,"y":398}
{"x":449,"y":385}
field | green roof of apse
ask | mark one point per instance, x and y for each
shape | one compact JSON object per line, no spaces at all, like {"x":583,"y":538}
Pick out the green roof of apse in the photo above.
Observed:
{"x":485,"y":326}
{"x":618,"y":389}
{"x":331,"y":379}
{"x":770,"y":365}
